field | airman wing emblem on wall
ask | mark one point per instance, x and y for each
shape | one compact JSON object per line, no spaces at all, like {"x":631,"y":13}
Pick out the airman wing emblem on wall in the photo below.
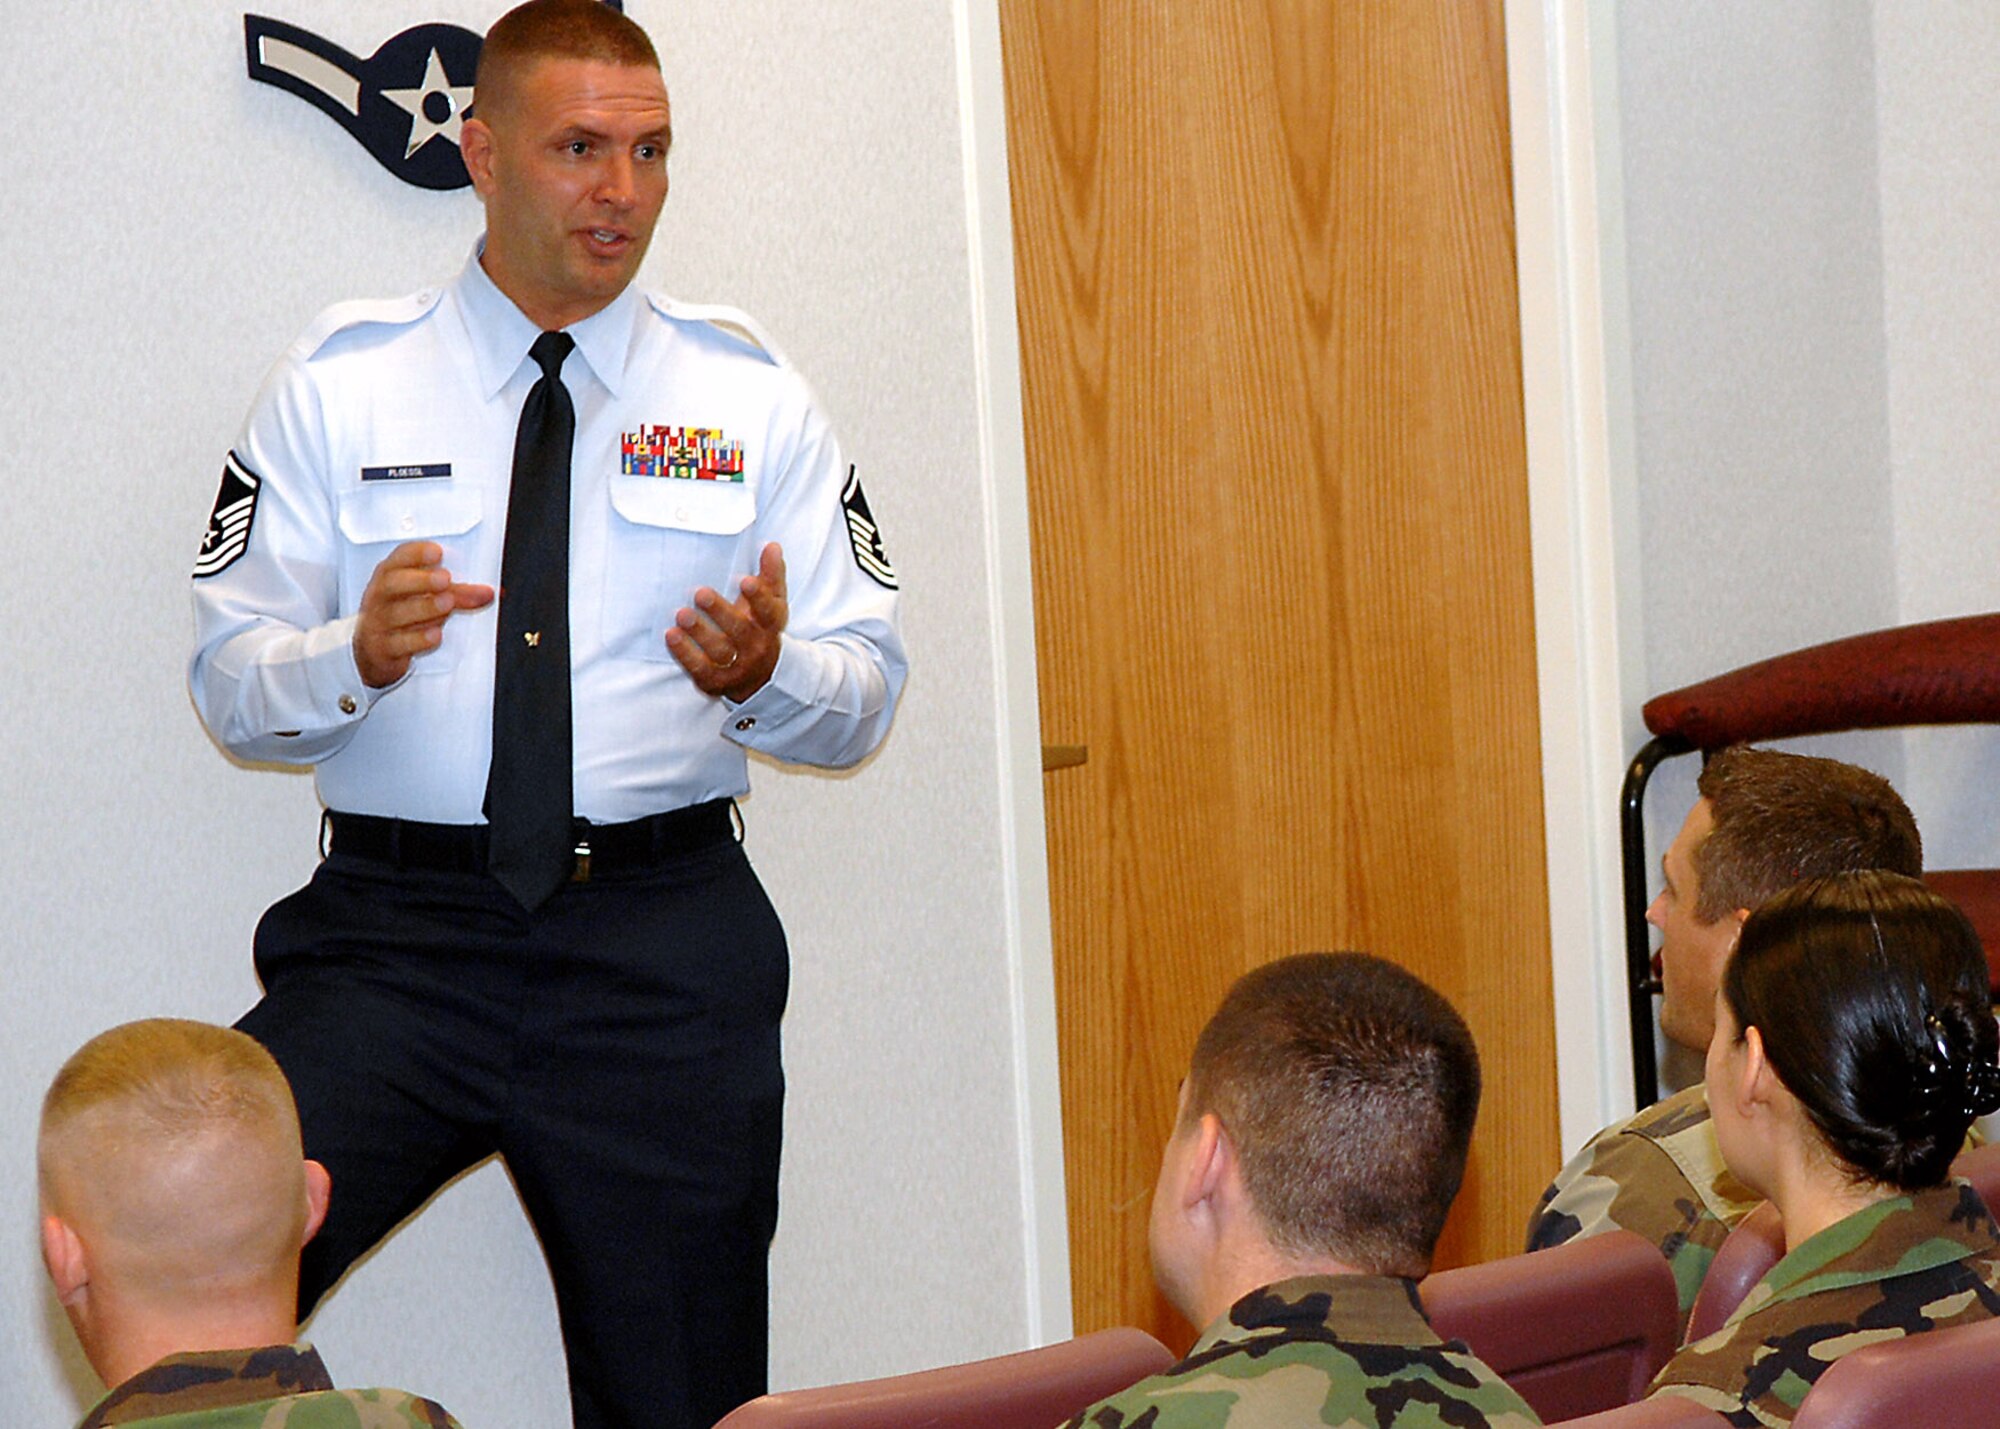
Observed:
{"x":405,"y":103}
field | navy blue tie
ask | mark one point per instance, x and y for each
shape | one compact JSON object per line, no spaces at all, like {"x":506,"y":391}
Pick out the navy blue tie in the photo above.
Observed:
{"x":529,"y":801}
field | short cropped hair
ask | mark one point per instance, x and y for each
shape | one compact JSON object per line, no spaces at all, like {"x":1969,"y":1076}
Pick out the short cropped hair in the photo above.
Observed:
{"x":1349,"y":1089}
{"x":168,"y":1082}
{"x":1870,"y":994}
{"x":555,"y":29}
{"x":1780,"y":818}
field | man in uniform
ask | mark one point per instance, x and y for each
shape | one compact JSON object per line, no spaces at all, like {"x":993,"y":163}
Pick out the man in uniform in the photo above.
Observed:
{"x":175,"y":1198}
{"x":1321,"y":1138}
{"x":1764,"y":821}
{"x":535,"y":933}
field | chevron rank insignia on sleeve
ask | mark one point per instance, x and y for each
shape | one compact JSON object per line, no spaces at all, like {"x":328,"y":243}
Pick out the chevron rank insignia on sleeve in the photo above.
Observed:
{"x":228,"y":534}
{"x":866,"y":536}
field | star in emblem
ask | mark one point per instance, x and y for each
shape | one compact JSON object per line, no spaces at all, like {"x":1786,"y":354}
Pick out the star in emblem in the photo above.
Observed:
{"x":436,"y":106}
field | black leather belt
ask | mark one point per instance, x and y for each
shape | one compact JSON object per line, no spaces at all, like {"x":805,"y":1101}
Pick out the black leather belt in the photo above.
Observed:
{"x":600,"y":848}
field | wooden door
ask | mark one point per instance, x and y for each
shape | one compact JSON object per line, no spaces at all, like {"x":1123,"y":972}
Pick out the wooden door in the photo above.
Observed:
{"x":1279,"y":497}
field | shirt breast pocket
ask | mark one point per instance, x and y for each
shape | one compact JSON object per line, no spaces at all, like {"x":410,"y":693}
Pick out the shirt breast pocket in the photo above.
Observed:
{"x":377,"y":517}
{"x":668,"y":536}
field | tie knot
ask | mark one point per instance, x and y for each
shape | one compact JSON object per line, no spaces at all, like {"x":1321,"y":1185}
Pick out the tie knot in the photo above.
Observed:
{"x":549,"y":351}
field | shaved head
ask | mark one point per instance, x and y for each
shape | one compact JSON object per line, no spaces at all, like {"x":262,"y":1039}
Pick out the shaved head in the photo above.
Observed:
{"x":552,"y":29}
{"x":172,"y":1148}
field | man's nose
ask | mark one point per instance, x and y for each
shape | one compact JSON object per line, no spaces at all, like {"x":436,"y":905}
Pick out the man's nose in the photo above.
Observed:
{"x":1655,"y":914}
{"x":615,"y":184}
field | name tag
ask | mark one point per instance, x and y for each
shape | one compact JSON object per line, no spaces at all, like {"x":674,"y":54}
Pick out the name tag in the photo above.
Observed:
{"x":415,"y":471}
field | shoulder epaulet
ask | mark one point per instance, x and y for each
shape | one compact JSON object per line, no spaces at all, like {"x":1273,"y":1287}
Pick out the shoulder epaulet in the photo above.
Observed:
{"x":362,"y":312}
{"x":733,"y":323}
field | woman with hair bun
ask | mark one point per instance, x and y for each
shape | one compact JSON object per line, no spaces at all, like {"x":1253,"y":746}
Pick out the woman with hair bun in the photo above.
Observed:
{"x":1854,"y":1044}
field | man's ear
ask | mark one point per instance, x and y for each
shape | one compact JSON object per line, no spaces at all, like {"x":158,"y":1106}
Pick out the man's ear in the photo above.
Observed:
{"x":67,"y":1262}
{"x":1740,"y":916}
{"x":319,"y":1193}
{"x":1210,"y":1161}
{"x":475,"y":146}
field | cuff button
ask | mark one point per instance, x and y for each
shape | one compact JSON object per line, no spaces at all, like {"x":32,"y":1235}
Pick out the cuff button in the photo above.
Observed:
{"x":347,"y":705}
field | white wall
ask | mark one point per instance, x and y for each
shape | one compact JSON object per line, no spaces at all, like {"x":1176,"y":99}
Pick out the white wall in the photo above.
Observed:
{"x":1938,"y":142}
{"x":171,"y":226}
{"x":1753,"y":263}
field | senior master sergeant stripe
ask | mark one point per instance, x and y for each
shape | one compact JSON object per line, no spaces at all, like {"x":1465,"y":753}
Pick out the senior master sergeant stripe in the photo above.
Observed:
{"x":866,"y":536}
{"x":228,"y":534}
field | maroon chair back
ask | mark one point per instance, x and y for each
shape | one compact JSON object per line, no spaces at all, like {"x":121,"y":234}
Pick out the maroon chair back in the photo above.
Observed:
{"x":1669,"y":1411}
{"x":1035,"y":1389}
{"x":1575,"y":1329}
{"x":1976,"y":891}
{"x":1757,"y":1244}
{"x":1944,"y":1377}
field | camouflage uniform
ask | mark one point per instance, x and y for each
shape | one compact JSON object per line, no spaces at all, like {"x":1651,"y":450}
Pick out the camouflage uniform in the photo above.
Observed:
{"x":1918,"y":1261}
{"x":1660,"y":1174}
{"x":278,"y":1387}
{"x":1351,"y":1350}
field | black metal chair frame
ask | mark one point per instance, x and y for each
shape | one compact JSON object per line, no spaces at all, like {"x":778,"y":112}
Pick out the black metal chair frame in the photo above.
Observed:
{"x":1641,"y":985}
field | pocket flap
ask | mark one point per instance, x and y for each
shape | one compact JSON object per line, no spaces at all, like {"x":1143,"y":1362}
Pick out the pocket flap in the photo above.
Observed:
{"x":407,"y":511}
{"x":716,"y":508}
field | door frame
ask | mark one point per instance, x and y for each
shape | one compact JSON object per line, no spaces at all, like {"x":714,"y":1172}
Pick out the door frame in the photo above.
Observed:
{"x":1583,"y":519}
{"x":1003,"y":480}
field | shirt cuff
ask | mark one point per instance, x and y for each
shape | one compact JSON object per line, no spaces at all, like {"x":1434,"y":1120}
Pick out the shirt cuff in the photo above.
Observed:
{"x":788,"y":693}
{"x":333,"y":676}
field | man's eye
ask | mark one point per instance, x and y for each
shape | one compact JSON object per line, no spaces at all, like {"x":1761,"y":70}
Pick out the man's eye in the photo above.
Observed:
{"x":578,"y":147}
{"x":648,"y":152}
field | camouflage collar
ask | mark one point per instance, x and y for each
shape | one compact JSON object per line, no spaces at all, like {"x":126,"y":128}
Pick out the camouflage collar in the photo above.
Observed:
{"x":1354,"y":1309}
{"x":211,"y":1379}
{"x":1901,"y":1235}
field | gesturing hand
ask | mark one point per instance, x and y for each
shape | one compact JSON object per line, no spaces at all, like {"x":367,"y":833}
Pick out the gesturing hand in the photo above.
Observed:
{"x":730,"y":648}
{"x":404,"y":608}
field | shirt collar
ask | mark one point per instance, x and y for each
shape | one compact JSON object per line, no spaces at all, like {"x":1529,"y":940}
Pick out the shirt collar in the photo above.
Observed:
{"x":501,"y":334}
{"x":211,"y":1379}
{"x":1357,"y":1309}
{"x":1899,"y":1235}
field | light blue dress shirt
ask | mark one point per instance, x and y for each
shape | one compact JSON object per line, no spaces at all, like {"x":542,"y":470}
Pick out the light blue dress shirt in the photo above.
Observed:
{"x":394,"y":421}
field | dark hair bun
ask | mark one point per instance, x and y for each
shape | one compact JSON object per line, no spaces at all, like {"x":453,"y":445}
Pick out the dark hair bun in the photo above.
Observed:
{"x":1870,"y":992}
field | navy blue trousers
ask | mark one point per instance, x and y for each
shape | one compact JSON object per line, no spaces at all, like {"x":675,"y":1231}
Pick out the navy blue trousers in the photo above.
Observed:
{"x":617,"y":1048}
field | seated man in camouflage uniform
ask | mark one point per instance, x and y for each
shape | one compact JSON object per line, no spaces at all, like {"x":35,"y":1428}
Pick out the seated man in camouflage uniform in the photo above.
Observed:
{"x":175,"y":1198}
{"x":1321,"y":1137}
{"x":1764,"y":821}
